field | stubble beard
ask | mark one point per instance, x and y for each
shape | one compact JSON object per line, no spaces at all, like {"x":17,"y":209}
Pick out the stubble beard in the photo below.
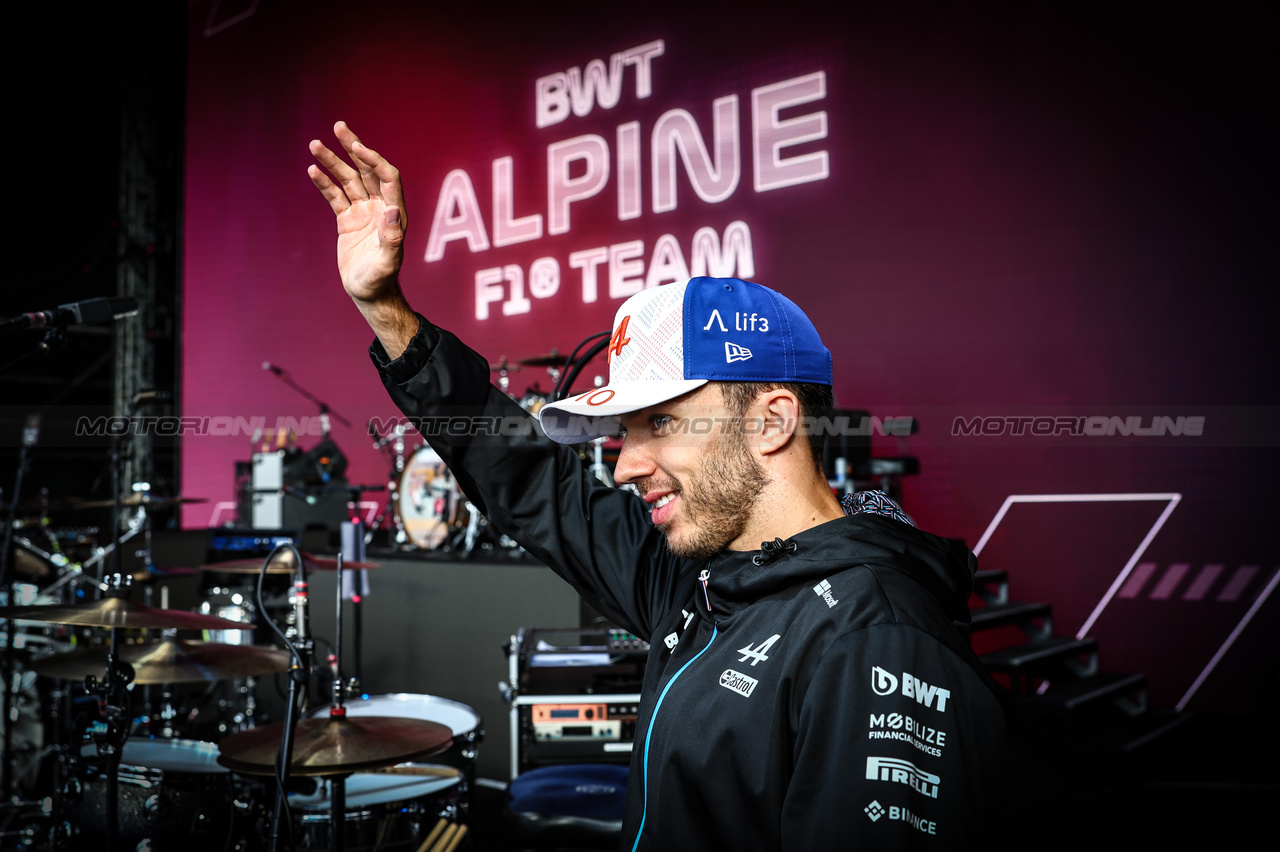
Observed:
{"x":717,"y":500}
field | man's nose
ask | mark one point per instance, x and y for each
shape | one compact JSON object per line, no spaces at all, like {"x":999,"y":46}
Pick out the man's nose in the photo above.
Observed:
{"x":634,"y":461}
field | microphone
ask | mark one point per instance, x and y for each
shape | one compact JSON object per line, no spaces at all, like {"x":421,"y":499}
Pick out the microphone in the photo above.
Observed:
{"x":76,"y":313}
{"x":267,"y":365}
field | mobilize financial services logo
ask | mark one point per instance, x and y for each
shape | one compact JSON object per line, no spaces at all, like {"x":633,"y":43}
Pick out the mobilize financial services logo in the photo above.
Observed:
{"x":896,"y":726}
{"x":884,"y":683}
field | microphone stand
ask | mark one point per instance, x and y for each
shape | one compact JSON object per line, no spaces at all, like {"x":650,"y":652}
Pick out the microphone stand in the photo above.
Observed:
{"x":299,"y":682}
{"x":54,"y":338}
{"x":325,"y":410}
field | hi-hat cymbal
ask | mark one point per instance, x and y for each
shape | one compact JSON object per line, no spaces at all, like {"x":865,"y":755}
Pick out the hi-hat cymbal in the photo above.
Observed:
{"x":140,"y":498}
{"x":172,"y":661}
{"x":121,"y":612}
{"x":335,"y":746}
{"x":551,"y":359}
{"x":283,"y":563}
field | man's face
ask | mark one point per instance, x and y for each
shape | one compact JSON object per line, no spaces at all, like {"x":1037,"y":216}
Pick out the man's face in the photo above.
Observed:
{"x":693,"y":466}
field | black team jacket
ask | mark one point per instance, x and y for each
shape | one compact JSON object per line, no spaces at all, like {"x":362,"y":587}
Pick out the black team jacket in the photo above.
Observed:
{"x":805,"y":697}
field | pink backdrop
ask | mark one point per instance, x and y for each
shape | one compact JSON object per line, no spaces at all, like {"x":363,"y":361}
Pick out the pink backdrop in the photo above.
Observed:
{"x":986,"y":223}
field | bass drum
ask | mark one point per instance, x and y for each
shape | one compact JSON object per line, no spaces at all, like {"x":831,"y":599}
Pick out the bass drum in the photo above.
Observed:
{"x":428,"y":498}
{"x":172,"y":794}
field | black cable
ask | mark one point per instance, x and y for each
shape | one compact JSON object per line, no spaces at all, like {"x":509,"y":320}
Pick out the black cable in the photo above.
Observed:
{"x":562,"y":386}
{"x":571,"y":375}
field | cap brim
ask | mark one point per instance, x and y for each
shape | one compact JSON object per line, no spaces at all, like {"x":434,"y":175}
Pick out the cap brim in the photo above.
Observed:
{"x":596,"y":414}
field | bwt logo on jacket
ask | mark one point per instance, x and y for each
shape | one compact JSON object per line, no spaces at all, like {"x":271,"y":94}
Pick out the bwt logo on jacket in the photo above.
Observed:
{"x":903,"y":772}
{"x":884,"y":683}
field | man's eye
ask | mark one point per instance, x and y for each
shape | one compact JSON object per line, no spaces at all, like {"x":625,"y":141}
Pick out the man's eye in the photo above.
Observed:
{"x":662,"y":422}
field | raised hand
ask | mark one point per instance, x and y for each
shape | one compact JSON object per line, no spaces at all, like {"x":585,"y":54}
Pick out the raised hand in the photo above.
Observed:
{"x":368,"y":203}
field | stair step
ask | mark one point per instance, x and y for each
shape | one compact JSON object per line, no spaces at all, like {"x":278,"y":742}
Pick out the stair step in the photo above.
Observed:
{"x":1132,"y":735}
{"x":991,"y":586}
{"x":1104,"y":686}
{"x":998,"y":615}
{"x":1038,"y":654}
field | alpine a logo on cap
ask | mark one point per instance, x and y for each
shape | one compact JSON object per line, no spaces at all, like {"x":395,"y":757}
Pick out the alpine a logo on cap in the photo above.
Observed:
{"x":734,"y":352}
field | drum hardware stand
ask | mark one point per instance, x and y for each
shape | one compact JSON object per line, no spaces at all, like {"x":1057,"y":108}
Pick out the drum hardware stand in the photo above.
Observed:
{"x":30,"y":434}
{"x":598,"y":468}
{"x":353,"y":541}
{"x":113,"y":702}
{"x":301,"y":646}
{"x":393,"y":444}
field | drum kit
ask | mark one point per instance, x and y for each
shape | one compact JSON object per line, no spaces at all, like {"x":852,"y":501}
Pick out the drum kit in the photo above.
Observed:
{"x":122,"y":772}
{"x":426,"y":509}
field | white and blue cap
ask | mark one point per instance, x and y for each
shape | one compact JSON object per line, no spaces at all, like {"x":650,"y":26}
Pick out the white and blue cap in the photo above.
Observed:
{"x":673,"y":339}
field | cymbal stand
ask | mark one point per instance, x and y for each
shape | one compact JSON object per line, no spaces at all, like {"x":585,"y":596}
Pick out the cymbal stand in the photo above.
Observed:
{"x":598,"y":468}
{"x":301,"y":647}
{"x":338,"y":783}
{"x":113,"y":702}
{"x":393,"y":444}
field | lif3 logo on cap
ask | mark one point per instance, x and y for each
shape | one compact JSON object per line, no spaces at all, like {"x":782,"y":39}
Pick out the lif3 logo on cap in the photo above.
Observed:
{"x":670,"y":340}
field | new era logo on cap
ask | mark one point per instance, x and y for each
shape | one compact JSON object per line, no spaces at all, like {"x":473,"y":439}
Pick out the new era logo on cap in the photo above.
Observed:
{"x":670,"y":340}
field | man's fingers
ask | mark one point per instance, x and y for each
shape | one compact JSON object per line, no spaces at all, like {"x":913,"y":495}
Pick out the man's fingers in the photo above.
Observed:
{"x":351,"y":142}
{"x":336,"y":197}
{"x":348,"y":178}
{"x":381,"y":178}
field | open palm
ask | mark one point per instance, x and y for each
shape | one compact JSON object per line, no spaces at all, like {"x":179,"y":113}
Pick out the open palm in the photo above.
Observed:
{"x":368,"y":203}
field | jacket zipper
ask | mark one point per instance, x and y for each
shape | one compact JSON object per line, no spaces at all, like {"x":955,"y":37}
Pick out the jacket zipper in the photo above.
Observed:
{"x":649,"y":734}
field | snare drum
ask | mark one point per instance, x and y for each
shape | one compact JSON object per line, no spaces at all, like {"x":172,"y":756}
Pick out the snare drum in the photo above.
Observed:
{"x":428,"y":499}
{"x":461,"y":719}
{"x":392,"y":809}
{"x":172,"y":795}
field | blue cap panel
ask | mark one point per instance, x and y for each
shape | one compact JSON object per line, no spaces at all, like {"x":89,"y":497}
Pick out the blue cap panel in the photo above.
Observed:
{"x":739,"y":331}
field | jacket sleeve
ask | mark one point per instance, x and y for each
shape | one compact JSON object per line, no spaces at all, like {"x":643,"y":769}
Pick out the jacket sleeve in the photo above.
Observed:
{"x":900,"y":745}
{"x":598,"y":538}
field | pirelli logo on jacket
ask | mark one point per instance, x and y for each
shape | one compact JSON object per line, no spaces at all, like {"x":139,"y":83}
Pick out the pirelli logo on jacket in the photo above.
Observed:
{"x":903,"y":772}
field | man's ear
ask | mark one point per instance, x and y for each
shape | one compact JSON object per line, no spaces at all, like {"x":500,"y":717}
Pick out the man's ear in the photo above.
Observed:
{"x":779,"y":411}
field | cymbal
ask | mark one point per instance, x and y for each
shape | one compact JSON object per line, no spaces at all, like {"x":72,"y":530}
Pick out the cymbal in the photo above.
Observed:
{"x":169,"y":662}
{"x":162,"y":574}
{"x":551,"y":359}
{"x":504,"y":366}
{"x":140,"y":498}
{"x":121,"y":612}
{"x":329,"y":746}
{"x":29,"y":564}
{"x":282,"y":563}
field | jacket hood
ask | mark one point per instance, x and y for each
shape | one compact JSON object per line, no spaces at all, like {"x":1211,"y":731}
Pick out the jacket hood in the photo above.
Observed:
{"x":942,"y":566}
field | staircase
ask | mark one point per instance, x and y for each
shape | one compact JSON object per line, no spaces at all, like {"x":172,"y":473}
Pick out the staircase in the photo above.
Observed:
{"x":1086,"y":715}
